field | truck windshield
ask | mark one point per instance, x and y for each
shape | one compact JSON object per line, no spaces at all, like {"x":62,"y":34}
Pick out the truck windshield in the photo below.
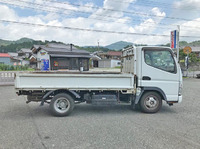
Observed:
{"x":161,"y":59}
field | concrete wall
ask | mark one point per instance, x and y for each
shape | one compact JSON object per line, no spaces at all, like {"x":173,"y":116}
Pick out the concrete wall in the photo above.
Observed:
{"x":109,"y":63}
{"x":104,"y":63}
{"x":115,"y":63}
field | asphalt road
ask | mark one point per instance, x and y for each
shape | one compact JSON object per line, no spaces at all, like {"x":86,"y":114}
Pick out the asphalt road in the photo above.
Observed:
{"x":30,"y":126}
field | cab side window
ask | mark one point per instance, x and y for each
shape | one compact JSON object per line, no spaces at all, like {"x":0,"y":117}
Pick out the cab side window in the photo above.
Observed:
{"x":161,"y":59}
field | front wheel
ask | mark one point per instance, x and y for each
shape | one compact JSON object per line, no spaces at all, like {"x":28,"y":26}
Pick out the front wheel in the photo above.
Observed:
{"x":150,"y":102}
{"x":62,"y":104}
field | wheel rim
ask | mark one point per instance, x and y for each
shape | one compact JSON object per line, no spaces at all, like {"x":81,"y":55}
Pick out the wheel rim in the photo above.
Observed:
{"x":151,"y":102}
{"x":62,"y":105}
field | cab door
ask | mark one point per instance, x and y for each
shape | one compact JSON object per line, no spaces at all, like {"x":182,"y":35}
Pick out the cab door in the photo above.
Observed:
{"x":159,"y":69}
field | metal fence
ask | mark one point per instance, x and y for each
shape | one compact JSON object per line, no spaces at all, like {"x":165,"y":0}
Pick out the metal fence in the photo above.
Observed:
{"x":189,"y":73}
{"x":7,"y":77}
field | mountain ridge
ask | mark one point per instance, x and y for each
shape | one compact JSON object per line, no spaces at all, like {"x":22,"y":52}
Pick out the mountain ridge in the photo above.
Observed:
{"x":14,"y":46}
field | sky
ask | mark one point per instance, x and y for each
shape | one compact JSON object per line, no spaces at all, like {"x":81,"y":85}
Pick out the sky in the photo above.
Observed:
{"x":137,"y":21}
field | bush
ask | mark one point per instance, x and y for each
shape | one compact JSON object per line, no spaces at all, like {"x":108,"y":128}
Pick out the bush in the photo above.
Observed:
{"x":4,"y":67}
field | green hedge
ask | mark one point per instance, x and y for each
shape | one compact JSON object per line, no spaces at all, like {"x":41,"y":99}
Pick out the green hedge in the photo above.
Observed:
{"x":4,"y":67}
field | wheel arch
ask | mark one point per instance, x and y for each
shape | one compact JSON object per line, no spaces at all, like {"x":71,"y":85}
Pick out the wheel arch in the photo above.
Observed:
{"x":73,"y":94}
{"x":151,"y":89}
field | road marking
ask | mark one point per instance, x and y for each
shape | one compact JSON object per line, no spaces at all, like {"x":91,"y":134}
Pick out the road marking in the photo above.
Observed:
{"x":13,"y":99}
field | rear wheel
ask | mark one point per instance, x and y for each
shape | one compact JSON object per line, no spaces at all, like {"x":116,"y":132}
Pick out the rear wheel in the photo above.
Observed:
{"x":62,"y":104}
{"x":150,"y":102}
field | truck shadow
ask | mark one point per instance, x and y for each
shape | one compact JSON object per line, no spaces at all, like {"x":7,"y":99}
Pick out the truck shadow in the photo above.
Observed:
{"x":19,"y":112}
{"x":87,"y":110}
{"x":118,"y":109}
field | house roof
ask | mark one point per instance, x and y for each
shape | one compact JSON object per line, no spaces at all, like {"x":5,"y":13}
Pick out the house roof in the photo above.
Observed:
{"x":76,"y":56}
{"x":17,"y":58}
{"x":24,"y":50}
{"x":61,"y":50}
{"x":194,"y":48}
{"x":12,"y":54}
{"x":4,"y":55}
{"x":95,"y":57}
{"x":114,"y":53}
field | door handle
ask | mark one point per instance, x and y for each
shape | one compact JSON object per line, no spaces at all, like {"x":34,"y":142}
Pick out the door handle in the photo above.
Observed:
{"x":146,"y":78}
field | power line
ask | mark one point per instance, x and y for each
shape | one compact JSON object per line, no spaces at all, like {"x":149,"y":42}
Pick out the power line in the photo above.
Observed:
{"x":56,"y":12}
{"x":89,"y":30}
{"x":84,"y":17}
{"x":80,"y":29}
{"x":128,"y":12}
{"x":66,"y":14}
{"x":98,"y":18}
{"x":54,"y":1}
{"x":156,"y":3}
{"x":95,"y":14}
{"x":60,"y":8}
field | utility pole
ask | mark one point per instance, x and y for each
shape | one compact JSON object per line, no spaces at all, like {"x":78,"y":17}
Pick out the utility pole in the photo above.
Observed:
{"x":98,"y":45}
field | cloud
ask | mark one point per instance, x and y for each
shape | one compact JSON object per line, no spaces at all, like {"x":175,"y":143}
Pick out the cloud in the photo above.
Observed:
{"x":191,"y":4}
{"x":7,"y":13}
{"x":157,"y":12}
{"x":112,"y":8}
{"x":190,"y":28}
{"x":119,"y":22}
{"x":185,"y":9}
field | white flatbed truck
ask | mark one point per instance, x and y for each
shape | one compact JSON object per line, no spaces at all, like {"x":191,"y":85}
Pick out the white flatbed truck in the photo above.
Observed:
{"x":148,"y":76}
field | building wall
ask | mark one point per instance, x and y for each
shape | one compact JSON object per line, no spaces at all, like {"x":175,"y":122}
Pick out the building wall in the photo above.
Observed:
{"x":115,"y":63}
{"x":5,"y":60}
{"x":105,"y":63}
{"x":25,"y":62}
{"x":69,"y":63}
{"x":111,"y":63}
{"x":59,"y":63}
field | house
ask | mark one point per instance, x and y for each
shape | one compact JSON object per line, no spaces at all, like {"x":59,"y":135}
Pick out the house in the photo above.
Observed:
{"x":60,"y":56}
{"x":95,"y":59}
{"x":110,"y":59}
{"x":33,"y":61}
{"x":5,"y":59}
{"x":196,"y":50}
{"x":15,"y":60}
{"x":25,"y":53}
{"x":21,"y":57}
{"x":111,"y":55}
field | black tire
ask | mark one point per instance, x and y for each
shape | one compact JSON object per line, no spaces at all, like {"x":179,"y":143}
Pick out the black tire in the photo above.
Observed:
{"x":61,"y":104}
{"x":150,"y":102}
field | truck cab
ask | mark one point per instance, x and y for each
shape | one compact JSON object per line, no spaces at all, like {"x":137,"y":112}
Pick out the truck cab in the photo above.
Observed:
{"x":158,"y":75}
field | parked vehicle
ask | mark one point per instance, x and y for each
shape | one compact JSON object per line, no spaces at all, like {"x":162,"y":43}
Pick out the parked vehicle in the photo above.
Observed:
{"x":148,"y":76}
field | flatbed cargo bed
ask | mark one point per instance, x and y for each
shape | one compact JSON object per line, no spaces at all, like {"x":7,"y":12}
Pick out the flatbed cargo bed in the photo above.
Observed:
{"x":74,"y":80}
